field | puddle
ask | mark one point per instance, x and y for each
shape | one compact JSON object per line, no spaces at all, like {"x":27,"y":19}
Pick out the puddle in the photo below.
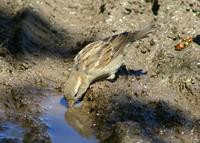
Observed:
{"x":11,"y":131}
{"x":64,"y":126}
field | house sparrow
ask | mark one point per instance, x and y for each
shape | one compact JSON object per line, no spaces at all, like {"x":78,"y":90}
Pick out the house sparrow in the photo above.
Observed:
{"x":97,"y":60}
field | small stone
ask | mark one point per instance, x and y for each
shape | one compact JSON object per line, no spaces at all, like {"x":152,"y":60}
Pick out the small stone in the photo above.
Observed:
{"x":143,"y":51}
{"x":198,"y":65}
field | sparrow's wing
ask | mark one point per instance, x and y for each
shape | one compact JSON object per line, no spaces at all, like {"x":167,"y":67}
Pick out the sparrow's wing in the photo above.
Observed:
{"x":118,"y":42}
{"x":93,"y":55}
{"x":99,"y":54}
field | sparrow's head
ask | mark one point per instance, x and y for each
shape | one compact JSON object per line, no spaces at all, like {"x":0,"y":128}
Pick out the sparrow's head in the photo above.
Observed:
{"x":74,"y":88}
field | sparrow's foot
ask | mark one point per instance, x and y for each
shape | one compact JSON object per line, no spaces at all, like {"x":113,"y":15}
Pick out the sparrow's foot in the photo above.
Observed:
{"x":112,"y":77}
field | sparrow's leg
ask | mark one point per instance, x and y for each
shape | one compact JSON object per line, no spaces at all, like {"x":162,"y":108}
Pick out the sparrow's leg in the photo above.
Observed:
{"x":112,"y":76}
{"x":128,"y":71}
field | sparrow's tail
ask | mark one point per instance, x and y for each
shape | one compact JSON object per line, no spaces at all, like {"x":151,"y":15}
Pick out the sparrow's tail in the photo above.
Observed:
{"x":137,"y":35}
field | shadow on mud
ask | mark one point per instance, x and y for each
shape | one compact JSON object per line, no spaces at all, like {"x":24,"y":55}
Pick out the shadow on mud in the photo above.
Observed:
{"x":197,"y":39}
{"x":28,"y":34}
{"x":123,"y":71}
{"x":130,"y":119}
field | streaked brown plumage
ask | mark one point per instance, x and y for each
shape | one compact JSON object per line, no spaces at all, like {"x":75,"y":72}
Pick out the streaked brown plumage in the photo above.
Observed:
{"x":100,"y":59}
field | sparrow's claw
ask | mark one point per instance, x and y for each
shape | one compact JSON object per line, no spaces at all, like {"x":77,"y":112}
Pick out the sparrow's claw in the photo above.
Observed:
{"x":112,"y":76}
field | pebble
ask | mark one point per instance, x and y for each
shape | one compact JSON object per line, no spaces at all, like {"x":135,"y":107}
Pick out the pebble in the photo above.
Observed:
{"x":198,"y":65}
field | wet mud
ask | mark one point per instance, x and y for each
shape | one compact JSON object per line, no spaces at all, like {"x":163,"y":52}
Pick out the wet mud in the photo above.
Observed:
{"x":155,"y":100}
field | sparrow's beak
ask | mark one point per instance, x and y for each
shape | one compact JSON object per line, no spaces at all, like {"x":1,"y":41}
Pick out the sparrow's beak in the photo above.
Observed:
{"x":70,"y":103}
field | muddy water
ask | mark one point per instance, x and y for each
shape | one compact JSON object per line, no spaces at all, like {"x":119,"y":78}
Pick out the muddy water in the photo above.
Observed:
{"x":11,"y":131}
{"x":63,"y":126}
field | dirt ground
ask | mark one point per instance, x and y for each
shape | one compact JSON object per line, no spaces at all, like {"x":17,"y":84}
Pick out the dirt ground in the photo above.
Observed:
{"x":157,"y":102}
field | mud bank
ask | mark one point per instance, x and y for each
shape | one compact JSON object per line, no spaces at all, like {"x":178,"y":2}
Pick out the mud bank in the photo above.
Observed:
{"x":158,"y":101}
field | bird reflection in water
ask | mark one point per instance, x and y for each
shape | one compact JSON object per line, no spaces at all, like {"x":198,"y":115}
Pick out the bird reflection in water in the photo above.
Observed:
{"x":80,"y":121}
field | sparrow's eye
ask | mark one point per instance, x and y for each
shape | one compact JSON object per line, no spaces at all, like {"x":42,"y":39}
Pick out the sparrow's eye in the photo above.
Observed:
{"x":75,"y":95}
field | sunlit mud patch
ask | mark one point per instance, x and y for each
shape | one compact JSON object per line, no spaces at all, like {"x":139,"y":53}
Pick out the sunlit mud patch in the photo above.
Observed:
{"x":66,"y":125}
{"x":11,"y":132}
